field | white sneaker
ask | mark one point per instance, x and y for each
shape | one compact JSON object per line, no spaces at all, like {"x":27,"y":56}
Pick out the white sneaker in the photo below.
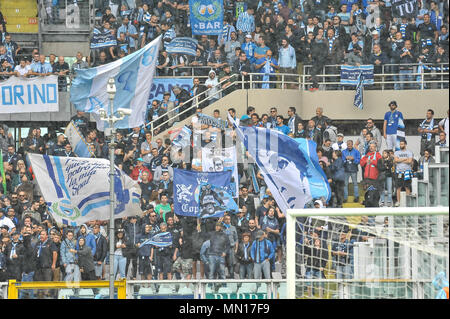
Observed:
{"x":397,"y":204}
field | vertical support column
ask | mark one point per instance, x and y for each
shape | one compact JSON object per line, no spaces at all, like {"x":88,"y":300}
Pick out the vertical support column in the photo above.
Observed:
{"x":290,"y":255}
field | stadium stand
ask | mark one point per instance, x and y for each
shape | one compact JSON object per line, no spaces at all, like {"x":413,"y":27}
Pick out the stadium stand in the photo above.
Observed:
{"x":296,"y":45}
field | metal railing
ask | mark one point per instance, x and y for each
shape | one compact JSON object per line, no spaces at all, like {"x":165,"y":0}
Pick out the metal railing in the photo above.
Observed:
{"x":389,"y":78}
{"x":196,"y":101}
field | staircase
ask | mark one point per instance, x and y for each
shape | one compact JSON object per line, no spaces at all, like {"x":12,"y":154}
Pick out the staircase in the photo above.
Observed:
{"x":21,"y":16}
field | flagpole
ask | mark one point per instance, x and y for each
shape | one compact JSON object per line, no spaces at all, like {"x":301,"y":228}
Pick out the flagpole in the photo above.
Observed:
{"x":111,"y":89}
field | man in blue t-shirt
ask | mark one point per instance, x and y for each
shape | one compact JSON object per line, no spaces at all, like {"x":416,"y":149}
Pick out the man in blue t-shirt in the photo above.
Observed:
{"x":267,"y":65}
{"x":390,"y":126}
{"x":280,"y":125}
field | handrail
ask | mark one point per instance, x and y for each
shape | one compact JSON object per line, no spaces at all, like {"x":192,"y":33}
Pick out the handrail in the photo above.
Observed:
{"x":196,"y":97}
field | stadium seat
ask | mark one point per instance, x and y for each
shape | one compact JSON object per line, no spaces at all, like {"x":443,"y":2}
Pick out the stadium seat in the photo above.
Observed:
{"x":65,"y":293}
{"x":146,"y":291}
{"x":262,"y":289}
{"x":185,"y":291}
{"x":225,"y":290}
{"x":166,"y":290}
{"x":247,"y":287}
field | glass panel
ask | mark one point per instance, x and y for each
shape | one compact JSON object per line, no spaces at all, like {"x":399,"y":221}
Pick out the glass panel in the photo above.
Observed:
{"x":443,"y":200}
{"x":433,"y":185}
{"x":65,"y":16}
{"x":444,"y":156}
{"x":422,"y":194}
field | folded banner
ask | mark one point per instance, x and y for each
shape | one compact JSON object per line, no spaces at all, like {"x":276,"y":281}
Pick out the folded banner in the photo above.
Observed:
{"x":102,"y":39}
{"x":133,"y":75}
{"x":23,"y":95}
{"x":77,"y":141}
{"x":405,"y":8}
{"x":2,"y":171}
{"x":350,"y":74}
{"x":77,"y":189}
{"x":220,"y":160}
{"x":358,"y":101}
{"x":209,"y":120}
{"x":400,"y":132}
{"x":159,"y":240}
{"x":290,"y":167}
{"x":206,"y":16}
{"x":183,"y":138}
{"x":215,"y":201}
{"x":182,"y":45}
{"x":186,"y":189}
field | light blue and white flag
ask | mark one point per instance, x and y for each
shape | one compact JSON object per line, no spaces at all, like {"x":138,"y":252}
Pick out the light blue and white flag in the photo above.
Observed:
{"x":77,"y":141}
{"x":400,"y":132}
{"x":182,"y":46}
{"x":77,"y":189}
{"x":206,"y":16}
{"x":358,"y":102}
{"x":133,"y":75}
{"x":290,"y":167}
{"x":159,"y":240}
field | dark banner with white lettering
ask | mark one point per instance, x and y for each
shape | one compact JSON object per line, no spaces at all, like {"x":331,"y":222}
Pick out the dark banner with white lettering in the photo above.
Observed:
{"x":404,"y":8}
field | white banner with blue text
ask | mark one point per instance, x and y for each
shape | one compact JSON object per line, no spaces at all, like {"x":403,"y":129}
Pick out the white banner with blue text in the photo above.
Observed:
{"x":22,"y":95}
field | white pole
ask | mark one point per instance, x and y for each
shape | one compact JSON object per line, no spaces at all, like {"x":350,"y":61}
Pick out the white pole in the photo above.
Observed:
{"x":290,"y":256}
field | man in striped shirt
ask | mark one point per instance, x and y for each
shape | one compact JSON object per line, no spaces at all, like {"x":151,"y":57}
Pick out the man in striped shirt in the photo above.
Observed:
{"x":246,"y":22}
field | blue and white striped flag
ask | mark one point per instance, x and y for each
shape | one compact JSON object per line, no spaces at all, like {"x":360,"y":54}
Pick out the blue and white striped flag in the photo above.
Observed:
{"x":290,"y":167}
{"x":77,"y":141}
{"x":77,"y":189}
{"x":133,"y":75}
{"x":358,"y":102}
{"x":159,"y":240}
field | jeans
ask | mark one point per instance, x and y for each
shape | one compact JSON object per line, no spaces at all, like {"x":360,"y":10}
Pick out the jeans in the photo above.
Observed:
{"x":406,"y":75}
{"x":388,"y":188}
{"x":216,"y":263}
{"x":246,"y":271}
{"x":344,"y":272}
{"x":27,"y":293}
{"x":262,"y":268}
{"x":119,"y":264}
{"x":391,"y":141}
{"x":314,"y":274}
{"x":355,"y":185}
{"x":229,"y":258}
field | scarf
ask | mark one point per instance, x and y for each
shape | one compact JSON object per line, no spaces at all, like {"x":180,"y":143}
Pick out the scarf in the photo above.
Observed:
{"x":428,"y":127}
{"x":403,"y":29}
{"x":330,"y":43}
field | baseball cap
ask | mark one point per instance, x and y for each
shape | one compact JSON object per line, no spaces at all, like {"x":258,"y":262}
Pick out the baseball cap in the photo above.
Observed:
{"x":135,"y":135}
{"x":248,"y":36}
{"x":139,"y":159}
{"x":340,"y":134}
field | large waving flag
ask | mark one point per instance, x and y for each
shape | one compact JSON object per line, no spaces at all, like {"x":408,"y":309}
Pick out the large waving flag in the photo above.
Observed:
{"x":159,"y":240}
{"x":290,"y":167}
{"x":77,"y":189}
{"x":133,"y":76}
{"x":77,"y":141}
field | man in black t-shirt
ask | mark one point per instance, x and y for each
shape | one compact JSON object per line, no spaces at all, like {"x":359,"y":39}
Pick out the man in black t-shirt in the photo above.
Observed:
{"x":61,"y":68}
{"x":427,"y":30}
{"x":80,"y":121}
{"x":56,"y":257}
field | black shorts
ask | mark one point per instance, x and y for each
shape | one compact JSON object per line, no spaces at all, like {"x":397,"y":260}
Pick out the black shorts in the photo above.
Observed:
{"x":400,"y":182}
{"x":164,"y":264}
{"x":196,"y":257}
{"x":145,"y":267}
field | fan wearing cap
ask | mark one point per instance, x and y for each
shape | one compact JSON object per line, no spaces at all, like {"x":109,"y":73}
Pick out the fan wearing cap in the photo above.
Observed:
{"x":136,"y":174}
{"x":355,"y":56}
{"x":15,"y":253}
{"x":261,"y":252}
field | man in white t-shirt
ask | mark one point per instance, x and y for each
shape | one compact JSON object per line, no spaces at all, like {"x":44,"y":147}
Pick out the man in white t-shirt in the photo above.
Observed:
{"x":443,"y":126}
{"x":22,"y":68}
